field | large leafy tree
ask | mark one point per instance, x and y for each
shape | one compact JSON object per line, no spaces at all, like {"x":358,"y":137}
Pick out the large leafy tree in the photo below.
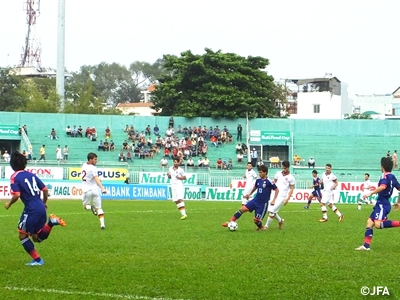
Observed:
{"x":10,"y":98}
{"x":215,"y":84}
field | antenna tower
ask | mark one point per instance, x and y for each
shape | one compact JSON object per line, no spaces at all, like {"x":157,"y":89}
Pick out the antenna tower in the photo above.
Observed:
{"x":30,"y":57}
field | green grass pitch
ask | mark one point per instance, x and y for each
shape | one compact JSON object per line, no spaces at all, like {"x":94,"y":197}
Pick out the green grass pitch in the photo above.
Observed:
{"x":147,"y":252}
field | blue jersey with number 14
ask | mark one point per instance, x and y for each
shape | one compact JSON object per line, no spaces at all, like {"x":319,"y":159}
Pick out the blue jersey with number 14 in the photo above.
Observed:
{"x":28,"y":186}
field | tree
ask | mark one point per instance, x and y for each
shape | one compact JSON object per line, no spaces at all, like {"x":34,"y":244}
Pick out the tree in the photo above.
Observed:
{"x":10,"y":99}
{"x":359,"y":117}
{"x":215,"y":84}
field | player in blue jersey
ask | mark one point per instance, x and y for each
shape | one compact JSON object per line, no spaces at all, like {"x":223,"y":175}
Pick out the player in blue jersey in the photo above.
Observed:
{"x":316,"y":193}
{"x":259,"y":203}
{"x":32,"y":224}
{"x":381,"y":210}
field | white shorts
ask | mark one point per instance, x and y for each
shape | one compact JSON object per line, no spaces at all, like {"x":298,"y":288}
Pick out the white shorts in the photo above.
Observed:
{"x":327,"y":197}
{"x":92,"y":197}
{"x":364,"y":193}
{"x":246,"y":192}
{"x":278,"y":204}
{"x":177,"y":193}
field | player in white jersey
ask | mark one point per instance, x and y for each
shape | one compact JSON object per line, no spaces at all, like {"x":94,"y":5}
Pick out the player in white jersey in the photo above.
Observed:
{"x":330,"y":183}
{"x":90,"y":187}
{"x":366,"y":190}
{"x":251,"y":177}
{"x":177,"y":175}
{"x":285,"y":183}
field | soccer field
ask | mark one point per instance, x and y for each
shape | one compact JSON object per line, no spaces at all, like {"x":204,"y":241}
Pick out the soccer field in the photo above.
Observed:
{"x":147,"y":252}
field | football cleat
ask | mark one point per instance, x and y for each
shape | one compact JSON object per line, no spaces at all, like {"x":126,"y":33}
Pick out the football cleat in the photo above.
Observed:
{"x":103,"y":227}
{"x":323,"y":220}
{"x":54,"y":220}
{"x":93,"y":209}
{"x":184,"y":217}
{"x":35,"y":263}
{"x":362,"y":248}
{"x":341,"y":218}
{"x":265,"y":227}
{"x":281,"y":223}
{"x":306,"y":207}
{"x":225,"y":224}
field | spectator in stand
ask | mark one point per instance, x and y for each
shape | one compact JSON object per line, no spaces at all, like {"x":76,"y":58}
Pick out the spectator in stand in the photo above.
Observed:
{"x":42,"y":153}
{"x":200,"y":162}
{"x":185,"y":130}
{"x":214,"y":141}
{"x":59,"y":155}
{"x":239,"y":133}
{"x":101,"y":146}
{"x":149,"y":142}
{"x":125,"y":145}
{"x":163,"y":162}
{"x":190,"y":162}
{"x":129,"y":156}
{"x":179,"y":129}
{"x":88,"y":132}
{"x":169,"y":132}
{"x":240,"y":157}
{"x":65,"y":153}
{"x":206,"y":162}
{"x":74,"y":131}
{"x":238,"y":148}
{"x":68,"y":131}
{"x":107,"y":133}
{"x":53,"y":134}
{"x":147,"y":131}
{"x":94,"y":134}
{"x":311,"y":163}
{"x":25,"y":129}
{"x":219,"y":164}
{"x":121,"y":156}
{"x":112,"y":145}
{"x":80,"y":131}
{"x":229,"y":166}
{"x":106,"y":145}
{"x":156,"y":130}
{"x":186,"y":153}
{"x":6,"y":156}
{"x":126,"y":128}
{"x":171,"y":122}
{"x":166,"y":153}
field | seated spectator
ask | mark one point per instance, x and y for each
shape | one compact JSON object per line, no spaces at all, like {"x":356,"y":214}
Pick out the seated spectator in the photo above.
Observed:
{"x":204,"y":149}
{"x":206,"y":162}
{"x":229,"y":165}
{"x":53,"y":134}
{"x":239,"y":157}
{"x":74,"y":131}
{"x":230,"y":138}
{"x":186,"y":153}
{"x":149,"y":142}
{"x":224,"y":137}
{"x":238,"y":148}
{"x":106,"y":145}
{"x":88,"y":132}
{"x":190,"y":162}
{"x":200,"y":162}
{"x":219,"y":164}
{"x":121,"y":156}
{"x":147,"y":131}
{"x":166,"y":153}
{"x":260,"y":163}
{"x":219,"y":141}
{"x":126,"y":128}
{"x":311,"y":163}
{"x":101,"y":146}
{"x":112,"y":145}
{"x":179,"y":129}
{"x":174,"y":152}
{"x":159,"y":142}
{"x":156,"y":130}
{"x":93,"y":134}
{"x":169,"y":132}
{"x":214,"y":141}
{"x":6,"y":156}
{"x":225,"y":129}
{"x":125,"y":145}
{"x":68,"y":131}
{"x":185,"y":130}
{"x":163,"y":162}
{"x":136,"y":152}
{"x":107,"y":133}
{"x":129,"y":156}
{"x":80,"y":131}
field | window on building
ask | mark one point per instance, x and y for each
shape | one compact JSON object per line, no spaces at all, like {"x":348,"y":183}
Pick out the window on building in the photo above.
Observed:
{"x":316,"y":108}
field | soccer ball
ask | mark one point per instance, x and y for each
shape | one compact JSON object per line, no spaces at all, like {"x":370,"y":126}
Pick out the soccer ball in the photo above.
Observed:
{"x":233,"y":226}
{"x":88,"y":207}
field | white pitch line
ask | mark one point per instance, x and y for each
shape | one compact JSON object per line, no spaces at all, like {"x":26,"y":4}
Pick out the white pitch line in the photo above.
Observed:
{"x":107,"y":295}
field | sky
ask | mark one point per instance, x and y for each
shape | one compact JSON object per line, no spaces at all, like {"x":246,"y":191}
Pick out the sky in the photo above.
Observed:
{"x":355,"y":40}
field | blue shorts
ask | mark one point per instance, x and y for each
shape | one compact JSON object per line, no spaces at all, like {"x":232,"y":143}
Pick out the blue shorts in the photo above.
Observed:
{"x":317,"y":194}
{"x":32,"y":223}
{"x":260,"y":209}
{"x":380,"y":211}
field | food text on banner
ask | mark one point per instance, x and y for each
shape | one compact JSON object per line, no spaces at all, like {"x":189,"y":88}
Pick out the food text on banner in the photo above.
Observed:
{"x":161,"y":178}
